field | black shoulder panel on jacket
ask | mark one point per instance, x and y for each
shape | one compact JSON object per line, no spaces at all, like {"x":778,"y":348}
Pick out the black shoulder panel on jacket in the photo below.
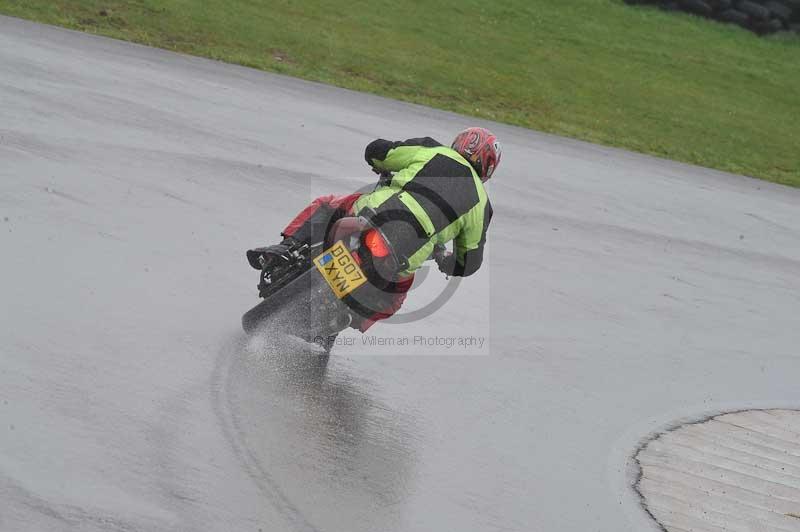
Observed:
{"x":445,"y":189}
{"x":425,"y":142}
{"x":377,"y":149}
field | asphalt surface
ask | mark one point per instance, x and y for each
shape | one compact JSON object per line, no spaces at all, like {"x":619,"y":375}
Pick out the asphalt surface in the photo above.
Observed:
{"x":623,"y":293}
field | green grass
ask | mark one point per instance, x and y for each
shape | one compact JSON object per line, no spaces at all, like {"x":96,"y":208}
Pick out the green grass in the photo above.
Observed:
{"x":638,"y":78}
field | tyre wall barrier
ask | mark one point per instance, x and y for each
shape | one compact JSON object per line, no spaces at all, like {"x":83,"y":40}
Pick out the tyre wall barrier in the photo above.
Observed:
{"x":760,"y":16}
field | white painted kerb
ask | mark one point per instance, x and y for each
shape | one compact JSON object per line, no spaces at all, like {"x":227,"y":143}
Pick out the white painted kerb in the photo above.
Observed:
{"x":736,"y":472}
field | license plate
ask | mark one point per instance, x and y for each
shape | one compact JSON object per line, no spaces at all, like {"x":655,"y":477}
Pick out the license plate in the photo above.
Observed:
{"x":340,"y":270}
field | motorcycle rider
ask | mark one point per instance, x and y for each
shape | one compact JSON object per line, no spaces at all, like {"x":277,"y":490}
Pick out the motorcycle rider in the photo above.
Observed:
{"x":435,"y":195}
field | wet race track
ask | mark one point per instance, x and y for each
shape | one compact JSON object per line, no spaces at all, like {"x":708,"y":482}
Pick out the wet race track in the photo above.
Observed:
{"x":622,"y":293}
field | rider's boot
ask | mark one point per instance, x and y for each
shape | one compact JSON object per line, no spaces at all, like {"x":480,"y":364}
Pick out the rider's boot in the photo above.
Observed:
{"x":271,"y":256}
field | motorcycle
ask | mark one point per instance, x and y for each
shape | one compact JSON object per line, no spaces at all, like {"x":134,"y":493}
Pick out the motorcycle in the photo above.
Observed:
{"x":321,"y":288}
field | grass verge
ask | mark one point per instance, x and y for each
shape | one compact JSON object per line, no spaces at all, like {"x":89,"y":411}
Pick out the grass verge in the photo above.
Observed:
{"x":667,"y":84}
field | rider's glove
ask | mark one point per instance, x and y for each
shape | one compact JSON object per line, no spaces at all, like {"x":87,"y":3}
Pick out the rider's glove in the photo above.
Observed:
{"x":446,"y":263}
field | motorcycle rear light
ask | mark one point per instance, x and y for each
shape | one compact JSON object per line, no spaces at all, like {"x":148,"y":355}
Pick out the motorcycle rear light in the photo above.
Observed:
{"x":376,"y":244}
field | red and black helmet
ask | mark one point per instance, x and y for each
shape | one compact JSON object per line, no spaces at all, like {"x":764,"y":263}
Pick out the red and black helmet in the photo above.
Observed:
{"x":480,"y":147}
